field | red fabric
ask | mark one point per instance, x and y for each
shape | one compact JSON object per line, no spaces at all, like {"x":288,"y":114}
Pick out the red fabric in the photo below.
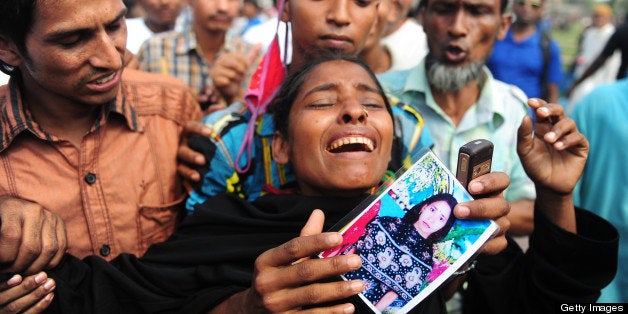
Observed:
{"x":265,"y":83}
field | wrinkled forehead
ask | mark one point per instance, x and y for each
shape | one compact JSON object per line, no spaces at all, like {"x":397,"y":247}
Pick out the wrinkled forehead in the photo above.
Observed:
{"x":77,"y":11}
{"x":499,"y":3}
{"x":334,"y":75}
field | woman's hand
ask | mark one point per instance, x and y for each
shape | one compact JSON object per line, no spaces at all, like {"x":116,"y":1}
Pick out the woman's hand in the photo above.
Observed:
{"x":286,"y":279}
{"x":490,"y":204}
{"x":32,"y":294}
{"x":553,"y":153}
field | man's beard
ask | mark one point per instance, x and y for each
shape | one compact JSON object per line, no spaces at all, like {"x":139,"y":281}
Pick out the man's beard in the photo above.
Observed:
{"x":452,"y":78}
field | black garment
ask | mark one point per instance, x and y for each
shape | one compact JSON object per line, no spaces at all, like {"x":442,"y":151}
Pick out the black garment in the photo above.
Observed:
{"x":210,"y":257}
{"x":559,"y":267}
{"x":619,"y":40}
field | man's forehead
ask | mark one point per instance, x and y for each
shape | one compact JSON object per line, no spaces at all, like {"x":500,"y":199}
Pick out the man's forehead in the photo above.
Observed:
{"x":61,"y":15}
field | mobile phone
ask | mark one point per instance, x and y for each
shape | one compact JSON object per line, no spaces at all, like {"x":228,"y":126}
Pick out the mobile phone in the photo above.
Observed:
{"x":474,"y":160}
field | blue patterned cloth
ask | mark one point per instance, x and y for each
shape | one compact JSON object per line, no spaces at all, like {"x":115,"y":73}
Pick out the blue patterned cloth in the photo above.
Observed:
{"x":395,"y":257}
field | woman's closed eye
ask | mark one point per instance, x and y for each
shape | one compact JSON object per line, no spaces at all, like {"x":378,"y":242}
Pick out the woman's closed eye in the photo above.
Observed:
{"x":322,"y":103}
{"x":373,"y":105}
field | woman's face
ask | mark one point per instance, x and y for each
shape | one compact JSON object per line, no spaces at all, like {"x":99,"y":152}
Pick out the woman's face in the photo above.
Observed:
{"x":433,"y":217}
{"x":339,"y":134}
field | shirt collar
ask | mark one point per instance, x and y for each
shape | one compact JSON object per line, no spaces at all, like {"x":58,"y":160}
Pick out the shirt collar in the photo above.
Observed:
{"x":188,"y":42}
{"x":124,"y":106}
{"x":487,"y":105}
{"x":15,"y":118}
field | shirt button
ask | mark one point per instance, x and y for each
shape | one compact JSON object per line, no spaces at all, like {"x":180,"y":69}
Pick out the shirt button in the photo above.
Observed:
{"x":105,"y":250}
{"x":90,"y":178}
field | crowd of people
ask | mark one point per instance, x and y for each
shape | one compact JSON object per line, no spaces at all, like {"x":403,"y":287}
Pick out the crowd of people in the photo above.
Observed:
{"x":174,"y":162}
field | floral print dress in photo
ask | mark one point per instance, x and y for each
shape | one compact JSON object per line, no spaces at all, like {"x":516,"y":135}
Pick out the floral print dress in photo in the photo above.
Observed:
{"x":394,"y":257}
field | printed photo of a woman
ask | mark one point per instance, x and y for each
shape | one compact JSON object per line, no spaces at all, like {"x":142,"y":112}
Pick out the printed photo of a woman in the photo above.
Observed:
{"x":397,"y":252}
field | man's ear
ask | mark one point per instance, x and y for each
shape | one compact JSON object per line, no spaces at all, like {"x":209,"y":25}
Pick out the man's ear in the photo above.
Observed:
{"x":504,"y":25}
{"x":285,"y":13}
{"x":9,"y":53}
{"x":281,"y":150}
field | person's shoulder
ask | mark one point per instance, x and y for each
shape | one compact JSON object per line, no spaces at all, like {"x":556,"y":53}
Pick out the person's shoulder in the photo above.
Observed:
{"x":411,"y":26}
{"x":229,"y":122}
{"x":396,"y":75}
{"x":154,"y":93}
{"x":164,"y":41}
{"x":134,"y":77}
{"x":509,"y":94}
{"x":408,"y":113}
{"x":602,"y":100}
{"x":165,"y":37}
{"x":391,"y":80}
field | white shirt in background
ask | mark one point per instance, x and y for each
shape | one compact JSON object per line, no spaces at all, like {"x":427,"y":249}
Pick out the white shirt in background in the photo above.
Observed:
{"x":137,"y":33}
{"x":593,"y":41}
{"x":407,"y":45}
{"x":4,"y":79}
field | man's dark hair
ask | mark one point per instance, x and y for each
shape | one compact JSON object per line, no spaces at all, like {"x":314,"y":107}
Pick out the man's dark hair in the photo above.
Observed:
{"x":16,"y":21}
{"x":502,"y":8}
{"x":283,"y":101}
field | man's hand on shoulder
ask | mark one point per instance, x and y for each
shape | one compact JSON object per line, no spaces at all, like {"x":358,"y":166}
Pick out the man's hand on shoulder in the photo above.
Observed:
{"x":188,"y":157}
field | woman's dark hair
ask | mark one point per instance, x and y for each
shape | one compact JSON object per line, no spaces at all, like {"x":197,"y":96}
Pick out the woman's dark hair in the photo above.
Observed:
{"x":413,"y":215}
{"x":283,"y":101}
{"x":16,"y":21}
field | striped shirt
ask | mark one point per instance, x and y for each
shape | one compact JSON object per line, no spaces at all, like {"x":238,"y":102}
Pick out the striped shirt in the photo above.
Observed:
{"x":178,"y":54}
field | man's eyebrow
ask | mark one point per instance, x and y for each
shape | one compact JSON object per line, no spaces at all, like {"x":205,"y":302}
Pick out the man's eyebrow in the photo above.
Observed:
{"x":62,"y":33}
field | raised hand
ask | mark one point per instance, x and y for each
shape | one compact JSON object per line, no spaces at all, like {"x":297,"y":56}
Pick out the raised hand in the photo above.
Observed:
{"x":552,"y":151}
{"x":230,"y":70}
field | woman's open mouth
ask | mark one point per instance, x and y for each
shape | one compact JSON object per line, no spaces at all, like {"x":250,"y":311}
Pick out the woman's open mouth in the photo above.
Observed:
{"x":351,"y":144}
